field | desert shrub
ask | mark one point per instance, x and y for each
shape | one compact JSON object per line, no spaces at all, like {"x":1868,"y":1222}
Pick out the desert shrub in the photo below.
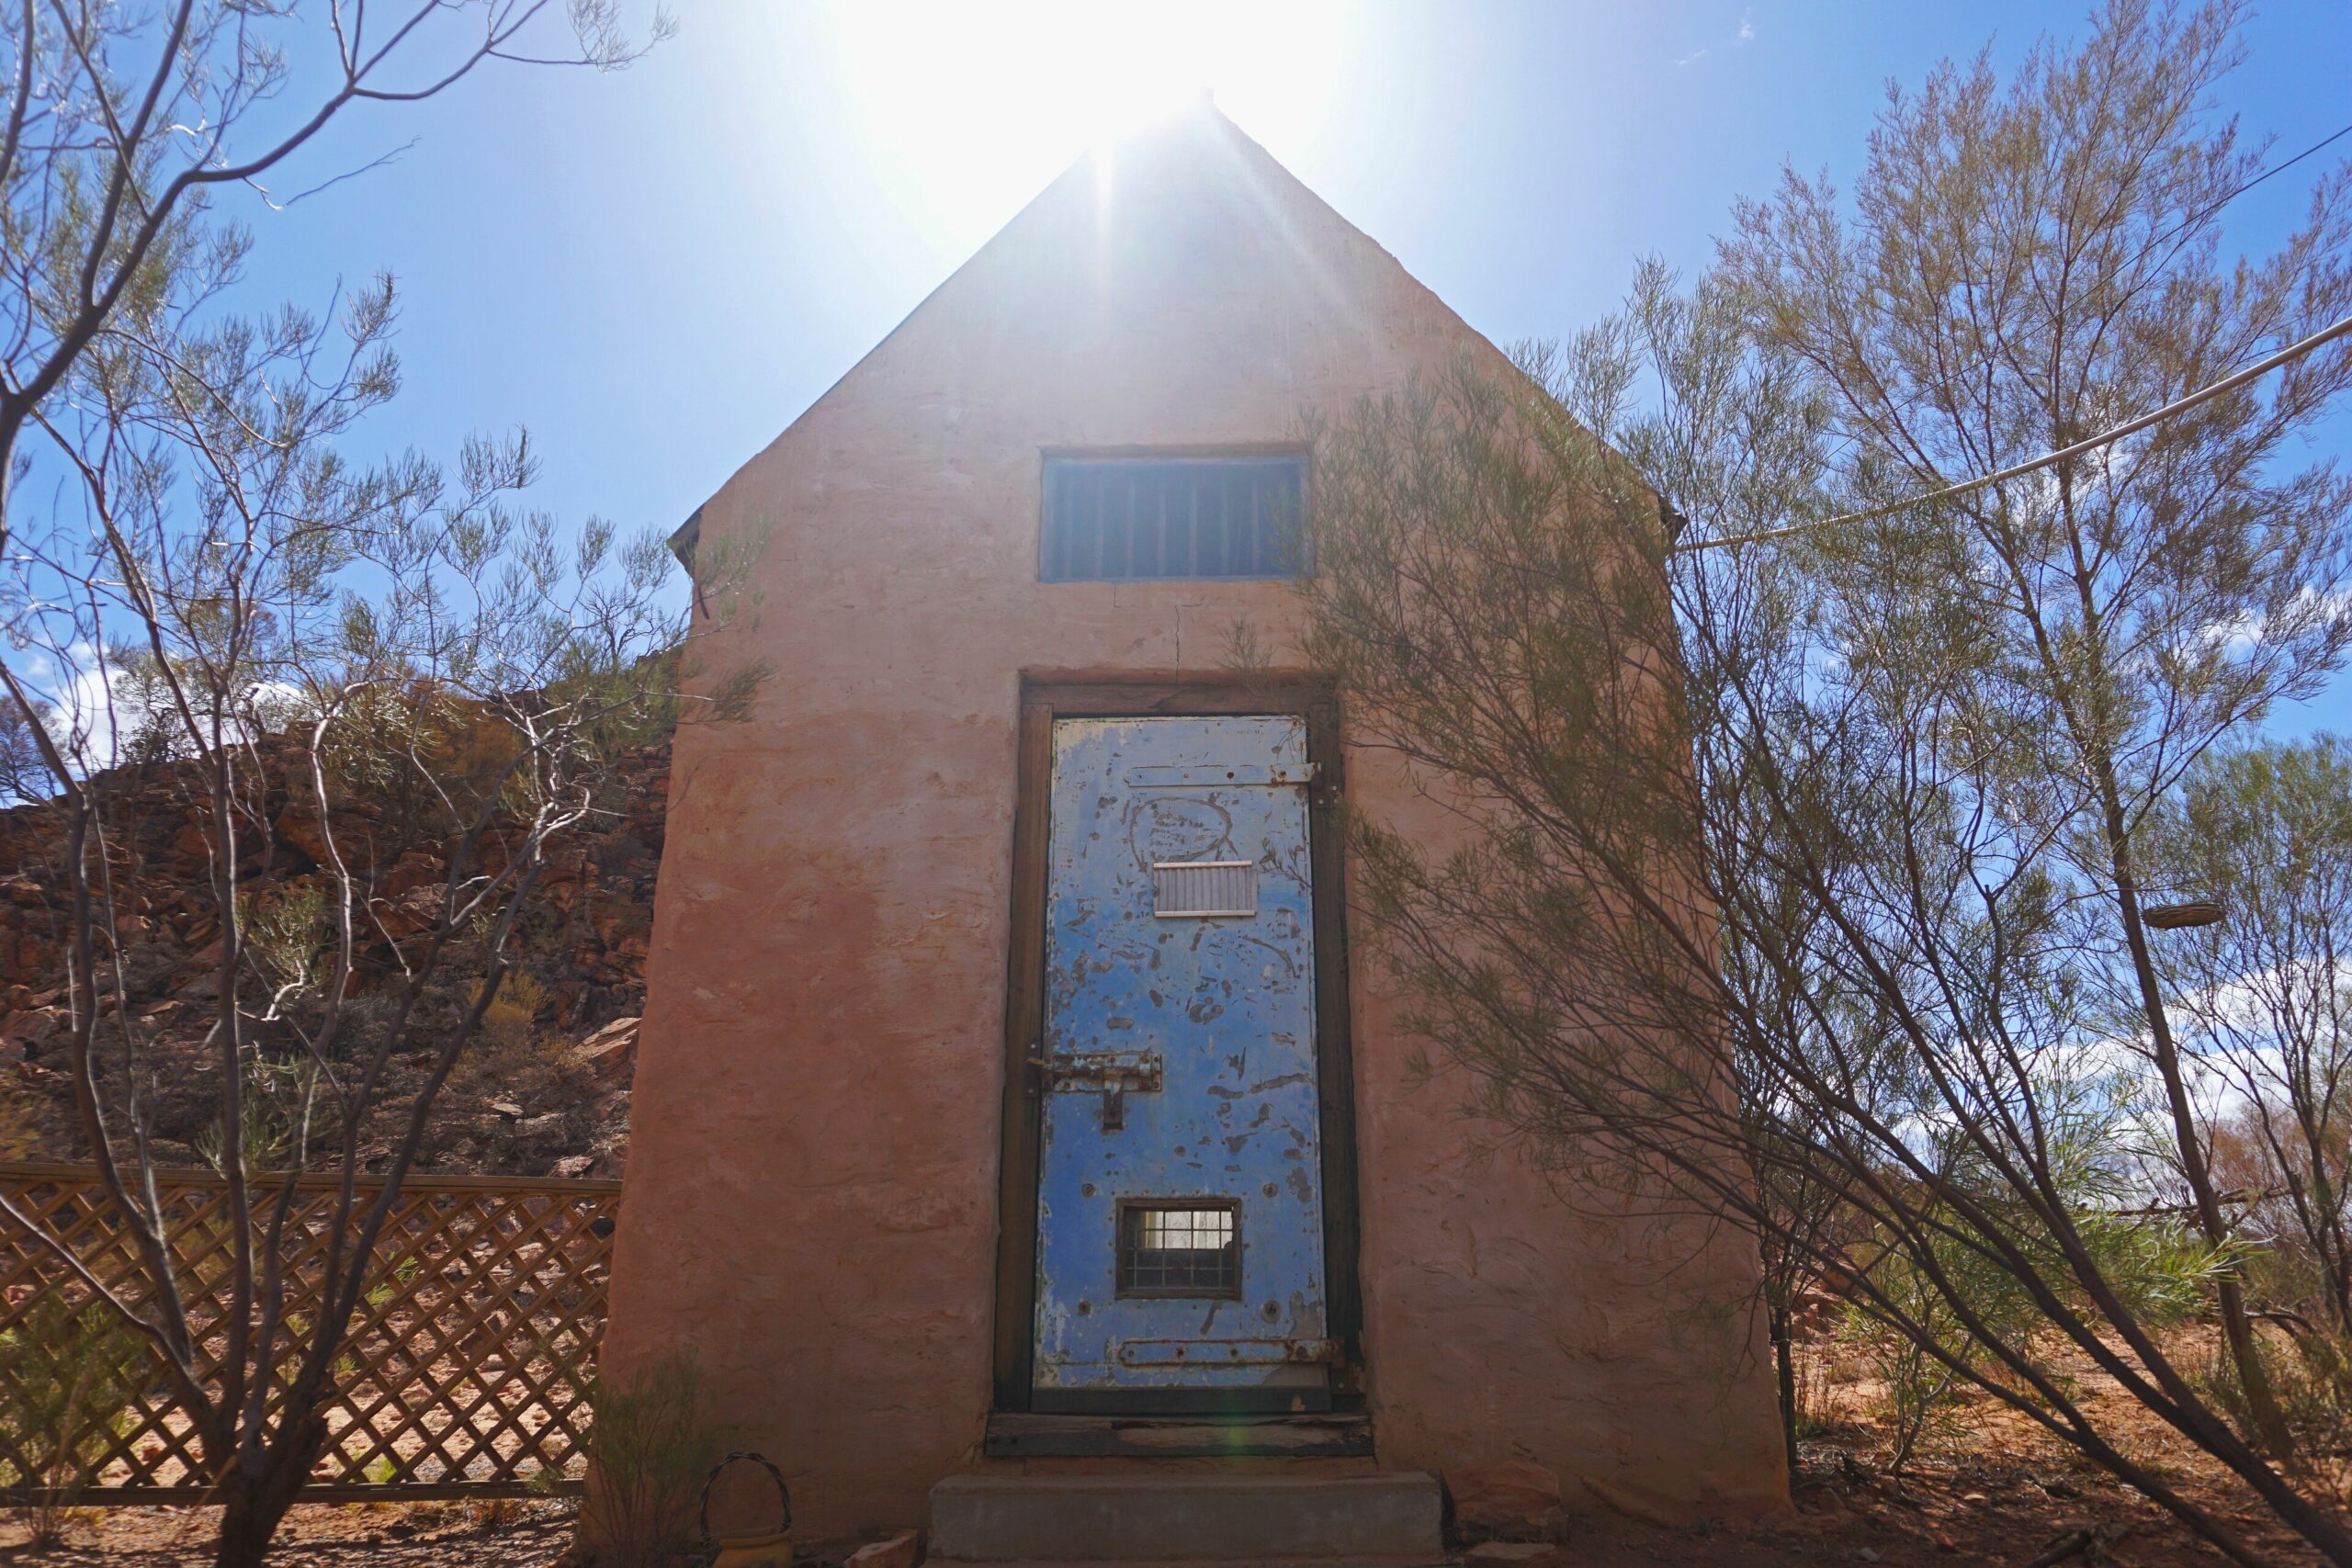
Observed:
{"x":20,"y":1123}
{"x":283,"y":932}
{"x":512,"y":1020}
{"x":649,"y":1446}
{"x":2309,"y":1371}
{"x":1909,"y":1319}
{"x":1922,"y":1372}
{"x":1815,"y":1389}
{"x":274,"y":1119}
{"x":517,"y":1057}
{"x":74,"y":1370}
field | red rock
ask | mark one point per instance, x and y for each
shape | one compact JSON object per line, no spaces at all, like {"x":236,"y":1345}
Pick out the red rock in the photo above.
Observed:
{"x":415,"y":869}
{"x":604,"y":867}
{"x":33,"y":1025}
{"x":612,"y":1050}
{"x":903,"y":1550}
{"x":1515,"y":1554}
{"x":1508,"y":1499}
{"x":417,"y":910}
{"x":298,"y":826}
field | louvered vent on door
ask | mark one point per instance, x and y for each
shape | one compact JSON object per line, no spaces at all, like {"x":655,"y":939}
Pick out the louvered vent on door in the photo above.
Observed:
{"x":1198,"y":888}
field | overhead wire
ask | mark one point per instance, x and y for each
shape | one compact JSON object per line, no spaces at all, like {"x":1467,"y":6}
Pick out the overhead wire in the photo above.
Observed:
{"x":2316,"y":341}
{"x":2181,"y":405}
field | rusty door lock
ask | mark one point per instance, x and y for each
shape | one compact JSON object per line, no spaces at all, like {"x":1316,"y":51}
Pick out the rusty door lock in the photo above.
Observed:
{"x":1114,"y":1075}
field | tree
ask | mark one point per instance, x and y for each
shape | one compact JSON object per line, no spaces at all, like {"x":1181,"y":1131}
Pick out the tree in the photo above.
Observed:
{"x":107,"y":169}
{"x":2266,"y":994}
{"x":23,"y":775}
{"x":1811,"y":850}
{"x":211,"y":580}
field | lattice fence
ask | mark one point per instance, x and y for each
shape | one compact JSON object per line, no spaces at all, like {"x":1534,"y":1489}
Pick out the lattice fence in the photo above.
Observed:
{"x":464,"y":1373}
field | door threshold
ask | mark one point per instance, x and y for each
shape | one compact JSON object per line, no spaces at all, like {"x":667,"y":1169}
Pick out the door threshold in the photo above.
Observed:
{"x":1021,"y":1434}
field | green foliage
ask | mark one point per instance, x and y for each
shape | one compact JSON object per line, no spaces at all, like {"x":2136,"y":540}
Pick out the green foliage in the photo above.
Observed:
{"x":73,"y":1370}
{"x":649,"y":1446}
{"x":2308,"y":1372}
{"x":1797,"y":875}
{"x":273,"y":1116}
{"x":1937,"y":1311}
{"x":2265,"y":831}
{"x":217,"y":581}
{"x":283,"y":931}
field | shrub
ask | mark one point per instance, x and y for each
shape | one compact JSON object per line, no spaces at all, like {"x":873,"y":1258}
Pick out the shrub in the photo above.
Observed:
{"x":648,"y":1447}
{"x":2310,"y":1372}
{"x":74,"y":1370}
{"x":512,"y":1019}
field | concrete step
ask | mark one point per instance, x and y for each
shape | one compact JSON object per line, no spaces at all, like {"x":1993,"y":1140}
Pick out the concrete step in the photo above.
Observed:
{"x":1422,"y":1560}
{"x":1073,"y":1519}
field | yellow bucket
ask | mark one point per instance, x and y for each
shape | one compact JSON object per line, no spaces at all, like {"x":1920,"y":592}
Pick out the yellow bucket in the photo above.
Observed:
{"x":754,"y":1551}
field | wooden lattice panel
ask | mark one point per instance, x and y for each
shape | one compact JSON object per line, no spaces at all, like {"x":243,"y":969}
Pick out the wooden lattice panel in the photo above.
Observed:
{"x":465,"y":1366}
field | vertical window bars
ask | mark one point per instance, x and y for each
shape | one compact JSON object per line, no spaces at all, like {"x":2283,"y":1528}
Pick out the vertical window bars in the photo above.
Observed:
{"x":1179,"y":1247}
{"x":1121,"y":520}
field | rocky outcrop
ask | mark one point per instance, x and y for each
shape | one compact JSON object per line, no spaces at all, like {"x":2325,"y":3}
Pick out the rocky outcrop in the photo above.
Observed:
{"x":545,"y":1091}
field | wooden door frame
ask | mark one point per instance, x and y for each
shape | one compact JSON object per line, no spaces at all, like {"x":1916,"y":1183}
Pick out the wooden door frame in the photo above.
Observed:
{"x":1042,"y":701}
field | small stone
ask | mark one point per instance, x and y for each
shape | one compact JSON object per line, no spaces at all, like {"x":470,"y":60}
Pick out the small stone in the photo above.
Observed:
{"x":903,"y":1550}
{"x":1515,"y":1554}
{"x":1511,"y":1499}
{"x":506,"y":1108}
{"x":1868,"y":1555}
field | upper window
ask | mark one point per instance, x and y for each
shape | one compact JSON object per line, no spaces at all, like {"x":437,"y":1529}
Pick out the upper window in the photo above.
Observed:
{"x":1124,"y":519}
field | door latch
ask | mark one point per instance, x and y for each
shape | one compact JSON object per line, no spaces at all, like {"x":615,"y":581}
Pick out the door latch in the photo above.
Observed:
{"x":1114,"y":1075}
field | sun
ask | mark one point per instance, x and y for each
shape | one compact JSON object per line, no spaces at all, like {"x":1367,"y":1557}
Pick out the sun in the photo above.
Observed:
{"x":965,"y":110}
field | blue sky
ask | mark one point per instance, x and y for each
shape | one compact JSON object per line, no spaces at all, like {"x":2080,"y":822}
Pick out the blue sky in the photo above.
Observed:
{"x":656,"y":271}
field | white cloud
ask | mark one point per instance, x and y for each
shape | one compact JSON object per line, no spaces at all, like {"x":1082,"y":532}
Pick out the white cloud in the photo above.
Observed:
{"x":2241,"y":633}
{"x":1745,"y":34}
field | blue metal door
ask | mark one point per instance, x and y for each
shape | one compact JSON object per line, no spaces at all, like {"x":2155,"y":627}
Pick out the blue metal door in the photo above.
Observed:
{"x":1180,"y":1208}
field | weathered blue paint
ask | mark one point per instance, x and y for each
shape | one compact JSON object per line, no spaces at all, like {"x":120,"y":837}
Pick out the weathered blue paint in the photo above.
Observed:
{"x":1223,"y":1007}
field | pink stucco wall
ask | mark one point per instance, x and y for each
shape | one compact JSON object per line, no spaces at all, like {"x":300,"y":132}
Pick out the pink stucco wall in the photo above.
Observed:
{"x":810,"y":1199}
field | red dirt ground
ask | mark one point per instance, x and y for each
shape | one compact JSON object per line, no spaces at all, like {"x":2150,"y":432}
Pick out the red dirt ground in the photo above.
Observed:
{"x":2005,"y":1496}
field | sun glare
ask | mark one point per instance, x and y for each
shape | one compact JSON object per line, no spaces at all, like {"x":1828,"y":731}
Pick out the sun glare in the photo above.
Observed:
{"x":966,"y":110}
